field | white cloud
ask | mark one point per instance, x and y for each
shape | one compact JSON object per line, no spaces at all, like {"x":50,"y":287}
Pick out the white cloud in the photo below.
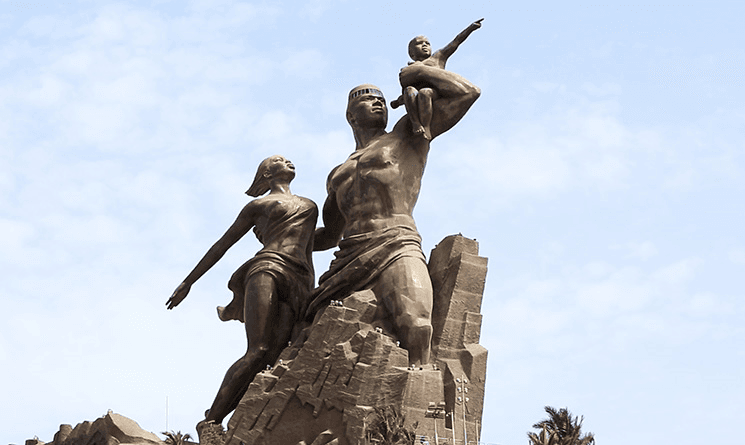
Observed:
{"x":737,"y":256}
{"x":583,"y":146}
{"x":578,"y":301}
{"x":678,"y":272}
{"x":314,"y":9}
{"x":643,"y":250}
{"x":545,"y":87}
{"x":14,"y":235}
{"x":306,"y":65}
{"x":606,"y":89}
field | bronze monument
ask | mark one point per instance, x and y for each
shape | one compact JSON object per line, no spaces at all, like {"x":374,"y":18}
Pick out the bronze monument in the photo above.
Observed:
{"x":383,"y":327}
{"x":385,"y":331}
{"x":270,"y":291}
{"x":419,"y":98}
{"x":371,"y":199}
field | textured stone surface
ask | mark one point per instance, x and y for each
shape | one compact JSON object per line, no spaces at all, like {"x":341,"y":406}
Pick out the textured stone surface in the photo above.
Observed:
{"x":323,"y":388}
{"x":458,"y":278}
{"x":329,"y":383}
{"x":111,"y":429}
{"x":326,"y":386}
{"x":127,"y":430}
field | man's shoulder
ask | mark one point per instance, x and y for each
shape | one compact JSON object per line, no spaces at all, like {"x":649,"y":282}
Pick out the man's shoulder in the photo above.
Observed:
{"x":402,"y":138}
{"x":333,"y":171}
{"x":332,"y":178}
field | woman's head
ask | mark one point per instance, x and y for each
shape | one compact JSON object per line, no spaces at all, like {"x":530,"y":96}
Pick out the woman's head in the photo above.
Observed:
{"x":276,"y":166}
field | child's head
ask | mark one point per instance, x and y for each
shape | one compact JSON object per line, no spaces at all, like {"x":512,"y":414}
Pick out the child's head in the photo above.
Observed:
{"x":419,"y":48}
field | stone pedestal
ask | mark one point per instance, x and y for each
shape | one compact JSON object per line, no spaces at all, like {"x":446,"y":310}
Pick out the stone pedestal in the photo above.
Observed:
{"x":323,"y":390}
{"x":458,"y":278}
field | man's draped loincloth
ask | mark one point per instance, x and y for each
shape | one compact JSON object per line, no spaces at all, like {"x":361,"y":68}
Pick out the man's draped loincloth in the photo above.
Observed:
{"x":294,"y":282}
{"x":360,"y":261}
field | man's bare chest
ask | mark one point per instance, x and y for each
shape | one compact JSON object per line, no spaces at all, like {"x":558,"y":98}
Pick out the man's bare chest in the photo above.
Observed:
{"x":372,"y":163}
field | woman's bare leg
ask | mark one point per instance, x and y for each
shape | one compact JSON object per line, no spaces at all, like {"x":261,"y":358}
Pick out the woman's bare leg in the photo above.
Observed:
{"x":268,"y":328}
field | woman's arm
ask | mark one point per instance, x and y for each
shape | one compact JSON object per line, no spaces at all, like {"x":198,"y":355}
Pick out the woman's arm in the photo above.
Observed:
{"x":246,"y":219}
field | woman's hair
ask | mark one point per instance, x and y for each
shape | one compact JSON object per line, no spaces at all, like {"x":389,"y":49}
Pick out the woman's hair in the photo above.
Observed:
{"x":261,"y":182}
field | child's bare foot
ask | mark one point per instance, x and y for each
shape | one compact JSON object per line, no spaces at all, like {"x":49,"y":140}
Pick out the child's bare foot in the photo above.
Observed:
{"x":419,"y":131}
{"x":397,"y":103}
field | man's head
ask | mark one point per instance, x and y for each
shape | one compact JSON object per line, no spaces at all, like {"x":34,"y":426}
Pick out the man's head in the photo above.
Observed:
{"x":366,"y":107}
{"x":419,"y":48}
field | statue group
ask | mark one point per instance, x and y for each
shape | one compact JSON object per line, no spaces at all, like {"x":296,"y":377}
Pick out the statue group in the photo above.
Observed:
{"x":367,"y":215}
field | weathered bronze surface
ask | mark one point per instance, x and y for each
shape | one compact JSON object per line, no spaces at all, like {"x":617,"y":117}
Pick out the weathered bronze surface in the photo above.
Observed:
{"x":371,"y":199}
{"x":384,"y":328}
{"x":270,"y":291}
{"x":419,"y":98}
{"x":325,"y":387}
{"x":321,"y":360}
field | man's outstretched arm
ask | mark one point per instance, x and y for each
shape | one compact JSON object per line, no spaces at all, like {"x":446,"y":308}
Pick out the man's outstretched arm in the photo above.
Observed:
{"x":456,"y":94}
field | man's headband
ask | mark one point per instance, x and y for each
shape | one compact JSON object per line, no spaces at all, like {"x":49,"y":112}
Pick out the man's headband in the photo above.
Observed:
{"x":359,"y":92}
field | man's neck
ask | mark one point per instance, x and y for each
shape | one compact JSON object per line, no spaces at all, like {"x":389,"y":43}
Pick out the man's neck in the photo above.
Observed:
{"x":363,"y":136}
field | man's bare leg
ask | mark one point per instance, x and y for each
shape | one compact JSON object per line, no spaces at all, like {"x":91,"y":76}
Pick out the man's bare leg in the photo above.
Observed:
{"x":406,"y":290}
{"x":397,"y":102}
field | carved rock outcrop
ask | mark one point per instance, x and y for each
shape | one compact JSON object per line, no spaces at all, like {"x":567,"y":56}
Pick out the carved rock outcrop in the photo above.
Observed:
{"x":323,"y":390}
{"x":111,"y":429}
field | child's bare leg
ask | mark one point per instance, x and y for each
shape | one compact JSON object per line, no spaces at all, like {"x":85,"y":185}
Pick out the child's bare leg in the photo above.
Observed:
{"x":425,"y":99}
{"x":398,"y":102}
{"x":412,"y":109}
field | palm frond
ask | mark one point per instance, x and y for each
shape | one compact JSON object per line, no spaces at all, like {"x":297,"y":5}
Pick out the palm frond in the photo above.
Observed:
{"x":176,"y":438}
{"x":560,"y":428}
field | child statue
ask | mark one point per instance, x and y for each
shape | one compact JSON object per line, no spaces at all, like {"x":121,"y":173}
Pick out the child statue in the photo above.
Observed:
{"x":418,"y":98}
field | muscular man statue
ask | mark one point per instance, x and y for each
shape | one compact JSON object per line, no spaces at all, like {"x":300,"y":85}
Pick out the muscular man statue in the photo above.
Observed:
{"x":371,"y":198}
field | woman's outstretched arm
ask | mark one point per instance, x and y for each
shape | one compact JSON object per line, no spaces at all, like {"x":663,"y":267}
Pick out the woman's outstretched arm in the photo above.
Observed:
{"x":246,"y":219}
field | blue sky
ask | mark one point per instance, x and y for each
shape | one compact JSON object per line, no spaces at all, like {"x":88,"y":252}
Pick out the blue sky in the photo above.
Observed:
{"x":601,"y":171}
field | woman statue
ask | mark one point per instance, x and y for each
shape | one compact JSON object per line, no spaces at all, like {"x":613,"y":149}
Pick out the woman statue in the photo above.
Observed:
{"x":270,"y":291}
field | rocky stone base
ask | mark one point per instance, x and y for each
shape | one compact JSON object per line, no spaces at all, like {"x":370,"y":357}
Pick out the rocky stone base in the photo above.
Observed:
{"x":327,"y":387}
{"x":323,"y":390}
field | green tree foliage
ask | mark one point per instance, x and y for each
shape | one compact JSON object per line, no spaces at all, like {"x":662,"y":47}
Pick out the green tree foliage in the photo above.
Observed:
{"x":388,"y":427}
{"x":560,"y":429}
{"x":176,"y":438}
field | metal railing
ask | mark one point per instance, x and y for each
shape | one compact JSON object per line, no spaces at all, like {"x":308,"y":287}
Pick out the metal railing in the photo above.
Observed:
{"x":422,"y":439}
